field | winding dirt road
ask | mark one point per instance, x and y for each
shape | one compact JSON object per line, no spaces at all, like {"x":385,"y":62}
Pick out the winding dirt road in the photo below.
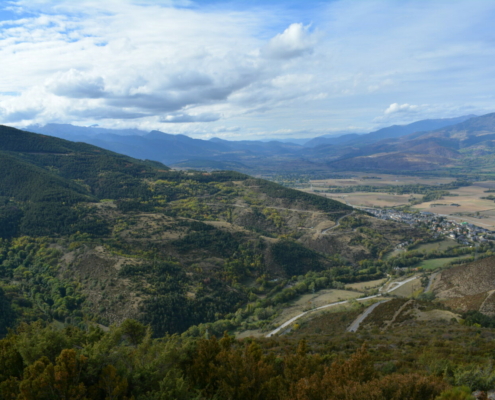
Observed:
{"x":290,"y":321}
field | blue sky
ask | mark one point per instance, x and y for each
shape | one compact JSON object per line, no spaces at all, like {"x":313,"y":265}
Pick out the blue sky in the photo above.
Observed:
{"x":245,"y":69}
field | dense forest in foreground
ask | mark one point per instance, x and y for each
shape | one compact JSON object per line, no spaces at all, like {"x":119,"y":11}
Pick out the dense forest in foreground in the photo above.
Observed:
{"x":41,"y":363}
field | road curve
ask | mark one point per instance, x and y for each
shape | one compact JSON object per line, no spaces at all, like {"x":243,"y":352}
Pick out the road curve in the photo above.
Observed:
{"x":336,"y":224}
{"x":355,"y":325}
{"x":430,"y":282}
{"x":399,"y":284}
{"x":290,"y":321}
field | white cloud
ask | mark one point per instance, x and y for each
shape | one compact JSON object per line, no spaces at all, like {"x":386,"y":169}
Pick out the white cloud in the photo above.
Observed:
{"x":295,"y":41}
{"x":401,"y":108}
{"x":191,"y":68}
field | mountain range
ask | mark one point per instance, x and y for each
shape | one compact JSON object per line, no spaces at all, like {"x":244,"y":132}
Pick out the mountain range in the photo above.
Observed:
{"x":389,"y":132}
{"x":453,"y":147}
{"x":413,"y":147}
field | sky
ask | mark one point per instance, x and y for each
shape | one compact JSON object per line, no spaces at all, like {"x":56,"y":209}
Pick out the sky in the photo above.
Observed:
{"x":245,"y":69}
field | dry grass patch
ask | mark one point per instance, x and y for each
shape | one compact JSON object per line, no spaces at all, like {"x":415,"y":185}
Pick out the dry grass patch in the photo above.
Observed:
{"x":256,"y":333}
{"x":435,"y":315}
{"x":362,"y":286}
{"x":408,"y":289}
{"x":466,"y":303}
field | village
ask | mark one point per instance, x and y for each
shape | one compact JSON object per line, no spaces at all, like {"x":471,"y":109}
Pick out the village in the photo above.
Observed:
{"x":463,"y":232}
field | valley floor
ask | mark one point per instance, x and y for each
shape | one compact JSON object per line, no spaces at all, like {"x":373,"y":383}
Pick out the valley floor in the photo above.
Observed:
{"x":467,"y":204}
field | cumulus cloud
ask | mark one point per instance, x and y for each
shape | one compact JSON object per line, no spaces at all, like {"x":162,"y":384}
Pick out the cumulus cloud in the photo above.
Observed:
{"x":295,"y":41}
{"x":401,"y":108}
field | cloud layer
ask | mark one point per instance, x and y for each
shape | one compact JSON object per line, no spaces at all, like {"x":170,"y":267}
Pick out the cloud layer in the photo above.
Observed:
{"x":186,"y":67}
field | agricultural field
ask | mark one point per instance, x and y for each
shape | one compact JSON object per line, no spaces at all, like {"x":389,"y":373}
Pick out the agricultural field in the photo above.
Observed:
{"x":361,"y":286}
{"x":435,"y":263}
{"x":437,"y":246}
{"x":363,"y":178}
{"x":471,"y":207}
{"x":369,"y":199}
{"x":409,"y":289}
{"x":465,"y":205}
{"x":442,"y":245}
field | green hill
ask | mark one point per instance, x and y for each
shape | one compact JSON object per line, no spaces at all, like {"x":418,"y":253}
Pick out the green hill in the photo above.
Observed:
{"x":44,"y":178}
{"x":93,"y":235}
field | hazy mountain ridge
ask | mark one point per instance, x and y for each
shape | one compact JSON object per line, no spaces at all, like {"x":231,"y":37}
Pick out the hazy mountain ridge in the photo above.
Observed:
{"x":435,"y":150}
{"x":390,"y":132}
{"x":271,"y":156}
{"x":168,"y":148}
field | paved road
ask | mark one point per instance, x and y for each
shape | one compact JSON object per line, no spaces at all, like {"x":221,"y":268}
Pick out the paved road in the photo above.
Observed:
{"x":336,"y":224}
{"x":399,"y":284}
{"x":290,"y":321}
{"x":355,"y":325}
{"x":432,"y":276}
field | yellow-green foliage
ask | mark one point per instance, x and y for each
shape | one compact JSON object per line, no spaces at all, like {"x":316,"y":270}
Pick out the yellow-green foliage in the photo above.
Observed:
{"x":194,"y":208}
{"x":274,"y":216}
{"x":456,"y":393}
{"x":245,"y":262}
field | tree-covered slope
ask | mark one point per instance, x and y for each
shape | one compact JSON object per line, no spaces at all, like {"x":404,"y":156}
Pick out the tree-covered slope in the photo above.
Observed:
{"x":24,"y":181}
{"x":44,"y":178}
{"x":93,"y":235}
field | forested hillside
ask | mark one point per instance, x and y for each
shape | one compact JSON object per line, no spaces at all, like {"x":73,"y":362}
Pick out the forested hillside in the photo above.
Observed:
{"x":90,"y":235}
